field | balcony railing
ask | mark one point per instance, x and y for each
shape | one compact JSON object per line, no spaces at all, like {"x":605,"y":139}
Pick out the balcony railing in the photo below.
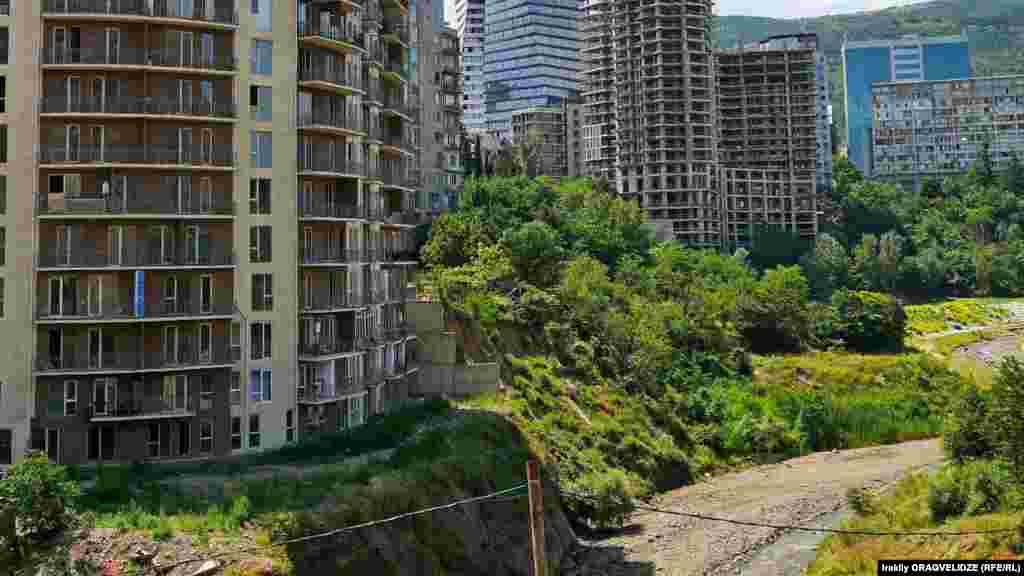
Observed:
{"x":334,"y":30}
{"x":321,"y":160}
{"x":122,"y":307}
{"x":134,"y":201}
{"x":218,"y":155}
{"x":395,"y":103}
{"x":398,"y":255}
{"x":326,"y":347}
{"x":315,"y":118}
{"x":323,"y":253}
{"x":138,"y":105}
{"x":316,"y":394}
{"x":82,"y":360}
{"x":340,"y":76}
{"x":325,"y":209}
{"x":394,"y":177}
{"x":132,"y":255}
{"x":141,"y":409}
{"x":207,"y":11}
{"x":325,"y":300}
{"x":399,"y":32}
{"x":397,"y":67}
{"x":197,"y":58}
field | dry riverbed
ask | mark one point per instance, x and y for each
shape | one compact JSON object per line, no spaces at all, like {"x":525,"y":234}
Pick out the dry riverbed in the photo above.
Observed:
{"x":801,"y":491}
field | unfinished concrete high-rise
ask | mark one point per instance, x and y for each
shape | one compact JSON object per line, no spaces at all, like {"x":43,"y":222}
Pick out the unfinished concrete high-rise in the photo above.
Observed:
{"x":774,"y":141}
{"x":649,"y":109}
{"x":711,"y":143}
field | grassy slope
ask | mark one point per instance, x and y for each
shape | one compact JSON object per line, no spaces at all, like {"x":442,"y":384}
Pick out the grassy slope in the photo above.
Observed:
{"x":452,"y":451}
{"x":906,"y":508}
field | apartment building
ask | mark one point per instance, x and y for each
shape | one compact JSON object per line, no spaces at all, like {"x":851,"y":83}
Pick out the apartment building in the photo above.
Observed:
{"x":469,"y":23}
{"x":774,"y":139}
{"x":441,"y":160}
{"x":208,"y":219}
{"x":906,"y":59}
{"x":930,"y":129}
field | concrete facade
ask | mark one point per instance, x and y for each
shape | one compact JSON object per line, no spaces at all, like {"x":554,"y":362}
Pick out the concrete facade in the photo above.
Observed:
{"x":469,"y":24}
{"x":208,"y":223}
{"x":930,"y":129}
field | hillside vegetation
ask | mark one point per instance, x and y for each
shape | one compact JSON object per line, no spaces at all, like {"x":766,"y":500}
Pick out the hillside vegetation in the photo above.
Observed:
{"x":634,"y":366}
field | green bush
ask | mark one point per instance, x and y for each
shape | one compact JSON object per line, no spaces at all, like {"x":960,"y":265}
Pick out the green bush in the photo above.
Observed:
{"x":605,"y":498}
{"x":971,"y":489}
{"x":967,"y":433}
{"x":869,"y":321}
{"x":1007,"y":410}
{"x":862,"y":502}
{"x":37,"y":501}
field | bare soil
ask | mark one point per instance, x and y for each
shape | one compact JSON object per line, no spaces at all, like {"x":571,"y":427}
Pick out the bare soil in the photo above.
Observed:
{"x":794,"y":492}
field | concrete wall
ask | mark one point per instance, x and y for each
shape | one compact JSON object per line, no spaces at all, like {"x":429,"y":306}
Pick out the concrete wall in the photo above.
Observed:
{"x":456,"y":381}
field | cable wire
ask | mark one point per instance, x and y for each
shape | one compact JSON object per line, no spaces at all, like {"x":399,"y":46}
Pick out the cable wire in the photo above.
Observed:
{"x":168,"y":567}
{"x":805,"y":528}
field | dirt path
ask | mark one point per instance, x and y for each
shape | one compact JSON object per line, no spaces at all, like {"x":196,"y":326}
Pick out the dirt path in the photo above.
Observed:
{"x":797,"y":491}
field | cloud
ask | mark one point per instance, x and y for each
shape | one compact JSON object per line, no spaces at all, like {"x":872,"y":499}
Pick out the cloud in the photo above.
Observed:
{"x":803,"y":8}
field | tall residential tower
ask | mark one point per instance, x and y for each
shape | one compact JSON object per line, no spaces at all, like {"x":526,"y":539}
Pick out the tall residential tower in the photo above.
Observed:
{"x":469,"y":23}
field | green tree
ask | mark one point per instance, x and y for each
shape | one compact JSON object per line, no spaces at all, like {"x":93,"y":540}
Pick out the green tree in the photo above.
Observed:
{"x":774,"y":315}
{"x":535,"y":251}
{"x":37,"y":501}
{"x":1007,"y":407}
{"x":454,"y":240}
{"x":827,"y":267}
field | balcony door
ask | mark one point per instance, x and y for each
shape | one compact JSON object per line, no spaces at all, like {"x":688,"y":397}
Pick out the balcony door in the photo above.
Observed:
{"x":99,"y":94}
{"x":184,"y":194}
{"x":73,"y":142}
{"x":95,"y":295}
{"x":73,"y":93}
{"x":205,"y":342}
{"x":113,"y":46}
{"x":99,"y":142}
{"x":63,"y":295}
{"x":174,"y":395}
{"x":101,"y":348}
{"x":170,"y":299}
{"x":206,"y":147}
{"x":55,"y":347}
{"x":104,"y":397}
{"x":205,"y":195}
{"x":307,"y":244}
{"x":206,"y":294}
{"x":197,"y":242}
{"x":171,"y":345}
{"x":307,"y":197}
{"x":115,"y":245}
{"x":187,"y":47}
{"x":307,"y":291}
{"x":185,"y":146}
{"x":184,"y":97}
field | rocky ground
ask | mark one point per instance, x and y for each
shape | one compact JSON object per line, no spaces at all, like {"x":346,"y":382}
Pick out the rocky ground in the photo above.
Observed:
{"x":795,"y":492}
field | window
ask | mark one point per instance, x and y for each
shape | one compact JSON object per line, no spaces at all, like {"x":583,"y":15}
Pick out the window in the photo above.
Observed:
{"x":259,"y":244}
{"x":261,"y":56}
{"x":259,"y":196}
{"x":260,"y":103}
{"x":236,"y":388}
{"x":260,"y":385}
{"x":205,"y":294}
{"x":205,"y":392}
{"x":259,"y":341}
{"x":6,"y":446}
{"x":70,"y":397}
{"x":236,"y":341}
{"x":1,"y":394}
{"x":3,"y":144}
{"x":3,"y":194}
{"x":263,"y":15}
{"x":2,"y":292}
{"x":236,"y":432}
{"x":356,"y":410}
{"x":3,"y":94}
{"x":101,"y":443}
{"x":289,"y":426}
{"x":263,"y":292}
{"x":206,"y":436}
{"x":260,"y":149}
{"x":254,"y":431}
{"x":4,"y":38}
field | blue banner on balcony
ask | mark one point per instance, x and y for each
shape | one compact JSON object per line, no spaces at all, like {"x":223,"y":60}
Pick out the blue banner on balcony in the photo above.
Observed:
{"x":140,"y":293}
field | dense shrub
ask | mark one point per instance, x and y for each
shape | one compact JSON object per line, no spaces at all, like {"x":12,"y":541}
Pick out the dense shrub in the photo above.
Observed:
{"x":1007,"y":411}
{"x":774,"y":316}
{"x":970,"y":489}
{"x":604,"y":498}
{"x":37,"y":501}
{"x":967,"y":433}
{"x":869,"y":321}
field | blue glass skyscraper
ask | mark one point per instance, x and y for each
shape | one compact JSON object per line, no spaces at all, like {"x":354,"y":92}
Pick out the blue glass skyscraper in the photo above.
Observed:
{"x":530,"y":57}
{"x":865,"y":63}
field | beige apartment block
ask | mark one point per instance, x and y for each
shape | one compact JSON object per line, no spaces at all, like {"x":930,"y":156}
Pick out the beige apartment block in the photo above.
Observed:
{"x":205,"y":223}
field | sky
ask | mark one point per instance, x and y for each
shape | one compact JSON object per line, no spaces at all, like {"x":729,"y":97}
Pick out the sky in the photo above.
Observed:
{"x":777,"y":9}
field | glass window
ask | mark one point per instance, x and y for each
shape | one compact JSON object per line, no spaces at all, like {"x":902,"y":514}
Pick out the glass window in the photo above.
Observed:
{"x":259,"y":196}
{"x":260,"y":149}
{"x":236,"y":388}
{"x":259,"y":243}
{"x":6,"y":446}
{"x":206,"y":436}
{"x":289,"y":426}
{"x":236,"y":433}
{"x":262,"y":14}
{"x":262,"y":292}
{"x":260,"y":98}
{"x":261,"y":57}
{"x":254,"y":431}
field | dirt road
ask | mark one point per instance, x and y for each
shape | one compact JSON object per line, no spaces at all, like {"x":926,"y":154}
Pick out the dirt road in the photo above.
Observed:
{"x":797,"y":491}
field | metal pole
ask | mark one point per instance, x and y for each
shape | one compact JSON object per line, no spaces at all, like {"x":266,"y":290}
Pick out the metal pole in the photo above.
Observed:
{"x":536,"y":518}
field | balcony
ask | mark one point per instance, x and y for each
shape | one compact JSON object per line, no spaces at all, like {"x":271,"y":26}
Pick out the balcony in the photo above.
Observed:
{"x":198,"y":59}
{"x":324,"y":253}
{"x":133,"y":202}
{"x":78,"y":356}
{"x":122,"y":307}
{"x":395,"y":33}
{"x":222,"y":13}
{"x":321,"y":161}
{"x":398,"y":255}
{"x":327,"y":209}
{"x":140,"y":408}
{"x":322,"y":299}
{"x":394,"y":104}
{"x":140,"y":106}
{"x":320,"y":393}
{"x":326,"y":347}
{"x":324,"y":120}
{"x":133,"y":255}
{"x":397,"y":68}
{"x":330,"y":33}
{"x":197,"y":156}
{"x":397,"y":178}
{"x":342,"y":78}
